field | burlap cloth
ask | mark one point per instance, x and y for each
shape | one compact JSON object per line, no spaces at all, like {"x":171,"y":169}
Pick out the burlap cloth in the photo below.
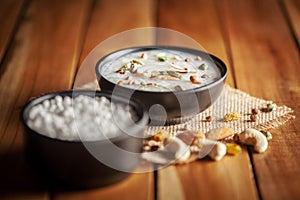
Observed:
{"x":231,"y":100}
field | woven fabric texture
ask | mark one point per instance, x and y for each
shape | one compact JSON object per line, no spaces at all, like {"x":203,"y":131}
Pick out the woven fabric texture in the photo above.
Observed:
{"x":231,"y":100}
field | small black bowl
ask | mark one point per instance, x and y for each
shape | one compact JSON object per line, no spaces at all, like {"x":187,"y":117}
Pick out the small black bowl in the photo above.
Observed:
{"x":178,"y":105}
{"x":70,"y":164}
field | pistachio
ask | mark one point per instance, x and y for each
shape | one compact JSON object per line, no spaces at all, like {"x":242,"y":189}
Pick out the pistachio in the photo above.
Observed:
{"x":203,"y":66}
{"x":143,"y":83}
{"x":174,"y":74}
{"x":137,"y":62}
{"x":268,"y":134}
{"x":271,"y":106}
{"x":162,"y":57}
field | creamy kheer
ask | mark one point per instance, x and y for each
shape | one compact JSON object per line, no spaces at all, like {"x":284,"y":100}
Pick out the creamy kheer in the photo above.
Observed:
{"x":161,"y":70}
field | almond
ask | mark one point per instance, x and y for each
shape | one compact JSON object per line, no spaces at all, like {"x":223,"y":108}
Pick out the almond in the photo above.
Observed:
{"x":219,"y":133}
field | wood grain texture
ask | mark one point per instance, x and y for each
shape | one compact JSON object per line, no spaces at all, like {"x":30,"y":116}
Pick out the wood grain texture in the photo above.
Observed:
{"x":199,"y":20}
{"x":205,"y":179}
{"x":293,"y":10}
{"x":42,"y":58}
{"x":10,"y":11}
{"x":230,"y":178}
{"x":206,"y":28}
{"x":109,"y":18}
{"x":136,"y":186}
{"x":266,"y":63}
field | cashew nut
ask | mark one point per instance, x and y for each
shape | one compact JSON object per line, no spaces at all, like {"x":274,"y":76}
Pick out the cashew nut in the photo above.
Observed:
{"x":218,"y":151}
{"x":181,"y":150}
{"x":174,"y":150}
{"x":214,"y":149}
{"x":254,"y":137}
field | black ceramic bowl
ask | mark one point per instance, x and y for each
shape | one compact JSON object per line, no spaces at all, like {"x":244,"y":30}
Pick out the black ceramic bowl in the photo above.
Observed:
{"x":179,"y":105}
{"x":70,"y":164}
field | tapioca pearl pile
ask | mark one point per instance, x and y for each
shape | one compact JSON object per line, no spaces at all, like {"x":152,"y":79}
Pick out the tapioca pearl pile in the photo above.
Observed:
{"x":82,"y":118}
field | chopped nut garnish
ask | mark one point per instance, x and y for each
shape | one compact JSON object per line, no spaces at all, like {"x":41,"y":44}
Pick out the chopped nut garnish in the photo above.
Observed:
{"x":120,"y":83}
{"x":268,"y":134}
{"x":143,"y":83}
{"x":203,"y":66}
{"x":188,"y":60}
{"x":195,"y":79}
{"x":133,"y":68}
{"x":177,"y":58}
{"x":122,"y":69}
{"x":198,"y":58}
{"x":162,"y":57}
{"x":253,"y":118}
{"x":151,"y":84}
{"x":178,"y":88}
{"x":271,"y":106}
{"x":233,"y":116}
{"x":205,"y":76}
{"x":131,"y":82}
{"x":208,"y":118}
{"x":174,"y":74}
{"x":255,"y":111}
{"x":144,"y":56}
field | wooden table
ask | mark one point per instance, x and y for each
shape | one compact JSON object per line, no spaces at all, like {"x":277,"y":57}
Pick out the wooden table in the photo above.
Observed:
{"x":43,"y":43}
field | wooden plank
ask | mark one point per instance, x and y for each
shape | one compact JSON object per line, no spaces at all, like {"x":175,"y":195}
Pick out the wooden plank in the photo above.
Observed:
{"x":42,"y":58}
{"x":293,"y":10}
{"x":266,"y":63}
{"x":200,"y":21}
{"x":136,"y":186}
{"x":109,"y":18}
{"x":9,"y":13}
{"x":208,"y":180}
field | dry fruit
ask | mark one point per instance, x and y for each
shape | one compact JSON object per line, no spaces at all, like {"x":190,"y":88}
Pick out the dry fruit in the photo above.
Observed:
{"x":233,"y":116}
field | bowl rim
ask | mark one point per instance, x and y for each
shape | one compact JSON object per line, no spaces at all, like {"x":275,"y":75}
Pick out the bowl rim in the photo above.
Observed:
{"x":218,"y":62}
{"x":142,"y":120}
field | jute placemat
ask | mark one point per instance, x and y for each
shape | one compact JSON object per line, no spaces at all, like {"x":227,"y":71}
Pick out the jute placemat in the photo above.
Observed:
{"x":231,"y":100}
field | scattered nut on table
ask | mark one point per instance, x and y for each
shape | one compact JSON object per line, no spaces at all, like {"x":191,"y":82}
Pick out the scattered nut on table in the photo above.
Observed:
{"x":218,"y":151}
{"x":208,"y":118}
{"x":254,"y":111}
{"x":255,"y":138}
{"x":233,"y":116}
{"x":253,"y":118}
{"x":233,"y":149}
{"x":219,"y":133}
